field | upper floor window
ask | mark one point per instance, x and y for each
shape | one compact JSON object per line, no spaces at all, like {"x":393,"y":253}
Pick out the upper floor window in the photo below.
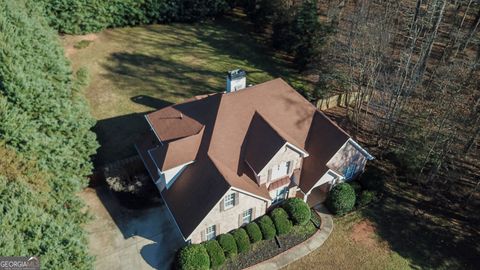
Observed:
{"x":229,"y":201}
{"x":211,"y":232}
{"x":247,"y":216}
{"x":281,"y":194}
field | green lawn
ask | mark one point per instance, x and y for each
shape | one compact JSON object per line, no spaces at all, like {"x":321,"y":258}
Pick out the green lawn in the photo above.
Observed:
{"x":138,"y":69}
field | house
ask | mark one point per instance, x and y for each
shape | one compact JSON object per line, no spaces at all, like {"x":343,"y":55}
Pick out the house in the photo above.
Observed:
{"x":221,"y":160}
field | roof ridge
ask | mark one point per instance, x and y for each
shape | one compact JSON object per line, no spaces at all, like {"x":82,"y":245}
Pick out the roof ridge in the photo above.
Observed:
{"x":280,"y":132}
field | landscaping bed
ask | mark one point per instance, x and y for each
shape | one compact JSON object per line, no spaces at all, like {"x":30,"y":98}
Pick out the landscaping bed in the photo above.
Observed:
{"x":268,"y":249}
{"x":284,"y":227}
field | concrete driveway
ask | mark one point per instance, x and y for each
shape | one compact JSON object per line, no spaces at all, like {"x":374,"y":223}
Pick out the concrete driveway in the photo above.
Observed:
{"x":122,"y":238}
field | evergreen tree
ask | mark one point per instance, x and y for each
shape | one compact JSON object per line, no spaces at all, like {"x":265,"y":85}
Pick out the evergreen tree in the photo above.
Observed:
{"x":43,"y":117}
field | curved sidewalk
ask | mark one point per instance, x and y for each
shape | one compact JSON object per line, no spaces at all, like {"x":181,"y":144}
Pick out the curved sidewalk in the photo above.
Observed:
{"x":303,"y":249}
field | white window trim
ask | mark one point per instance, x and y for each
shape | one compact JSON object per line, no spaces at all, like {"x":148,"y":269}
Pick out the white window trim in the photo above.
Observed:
{"x":211,"y":230}
{"x":231,"y":199}
{"x":247,"y":213}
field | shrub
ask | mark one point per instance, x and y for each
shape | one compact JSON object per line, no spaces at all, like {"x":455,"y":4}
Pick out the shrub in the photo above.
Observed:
{"x":193,"y":257}
{"x":82,"y":44}
{"x":227,"y":242}
{"x":366,"y":197}
{"x":297,"y":210}
{"x":356,"y":187}
{"x":215,"y":252}
{"x":341,"y":199}
{"x":266,"y":226}
{"x":281,"y":221}
{"x":241,"y":238}
{"x":253,"y":232}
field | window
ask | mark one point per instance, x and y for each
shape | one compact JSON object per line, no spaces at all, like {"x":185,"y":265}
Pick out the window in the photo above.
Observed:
{"x":247,"y":216}
{"x":280,"y":195}
{"x":289,"y":167}
{"x":229,"y":201}
{"x":349,"y":172}
{"x":211,"y":232}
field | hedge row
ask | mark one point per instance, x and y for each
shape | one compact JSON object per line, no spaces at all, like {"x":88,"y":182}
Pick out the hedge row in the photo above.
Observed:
{"x":86,"y":16}
{"x":280,"y":221}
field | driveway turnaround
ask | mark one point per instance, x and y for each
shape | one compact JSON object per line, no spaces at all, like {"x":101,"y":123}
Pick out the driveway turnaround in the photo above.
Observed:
{"x":122,"y":238}
{"x":303,"y":249}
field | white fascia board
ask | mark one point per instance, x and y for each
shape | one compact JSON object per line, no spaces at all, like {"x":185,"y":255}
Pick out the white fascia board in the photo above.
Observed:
{"x":250,"y":166}
{"x":305,"y":154}
{"x":359,"y":148}
{"x":249,"y":194}
{"x":151,"y":127}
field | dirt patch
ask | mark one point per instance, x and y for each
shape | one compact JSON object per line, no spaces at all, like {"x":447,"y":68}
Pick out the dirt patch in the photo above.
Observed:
{"x":364,"y":233}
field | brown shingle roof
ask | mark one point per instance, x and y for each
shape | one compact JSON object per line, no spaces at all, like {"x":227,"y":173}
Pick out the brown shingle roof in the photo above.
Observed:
{"x":272,"y":107}
{"x":178,"y":152}
{"x":324,"y":140}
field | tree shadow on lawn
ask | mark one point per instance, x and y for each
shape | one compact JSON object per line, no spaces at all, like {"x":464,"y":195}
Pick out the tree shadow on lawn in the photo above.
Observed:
{"x":117,"y":135}
{"x":417,"y":231}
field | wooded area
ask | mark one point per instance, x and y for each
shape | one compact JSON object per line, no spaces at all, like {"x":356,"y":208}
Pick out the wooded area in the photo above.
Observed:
{"x":418,"y":62}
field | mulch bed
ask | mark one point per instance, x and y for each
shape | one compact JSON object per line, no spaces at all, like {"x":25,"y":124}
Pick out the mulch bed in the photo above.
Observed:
{"x":267,"y":249}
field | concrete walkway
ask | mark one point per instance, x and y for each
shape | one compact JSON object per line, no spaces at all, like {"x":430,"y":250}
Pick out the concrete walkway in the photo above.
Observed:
{"x":303,"y":249}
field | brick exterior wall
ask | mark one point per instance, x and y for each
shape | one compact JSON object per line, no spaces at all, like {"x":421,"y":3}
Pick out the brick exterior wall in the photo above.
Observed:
{"x":283,"y":155}
{"x":227,"y":220}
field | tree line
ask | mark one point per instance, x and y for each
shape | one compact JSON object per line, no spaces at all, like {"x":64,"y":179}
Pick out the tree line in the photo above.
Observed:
{"x":86,"y":16}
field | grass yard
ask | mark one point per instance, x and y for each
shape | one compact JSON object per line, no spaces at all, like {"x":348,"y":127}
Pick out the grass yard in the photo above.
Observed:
{"x":353,"y":244}
{"x":139,"y":69}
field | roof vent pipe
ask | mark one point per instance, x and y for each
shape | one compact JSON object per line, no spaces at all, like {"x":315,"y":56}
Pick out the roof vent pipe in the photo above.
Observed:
{"x":236,"y":80}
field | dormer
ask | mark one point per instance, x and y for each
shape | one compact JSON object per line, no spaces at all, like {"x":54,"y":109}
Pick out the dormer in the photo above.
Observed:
{"x":179,"y":138}
{"x":269,"y":153}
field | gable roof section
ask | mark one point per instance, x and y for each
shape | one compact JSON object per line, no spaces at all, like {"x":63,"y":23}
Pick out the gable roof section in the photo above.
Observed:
{"x":324,"y":140}
{"x":193,"y":195}
{"x":170,"y":123}
{"x":178,"y":152}
{"x":263,"y":142}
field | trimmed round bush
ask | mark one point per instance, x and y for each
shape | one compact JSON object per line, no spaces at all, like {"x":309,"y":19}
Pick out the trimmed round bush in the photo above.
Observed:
{"x":297,"y":210}
{"x":356,"y":187}
{"x":341,"y":199}
{"x":215,"y":252}
{"x":254,"y":233}
{"x":366,"y":197}
{"x":227,"y":242}
{"x":281,"y":221}
{"x":193,"y":257}
{"x":267,"y":228}
{"x":241,"y":238}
